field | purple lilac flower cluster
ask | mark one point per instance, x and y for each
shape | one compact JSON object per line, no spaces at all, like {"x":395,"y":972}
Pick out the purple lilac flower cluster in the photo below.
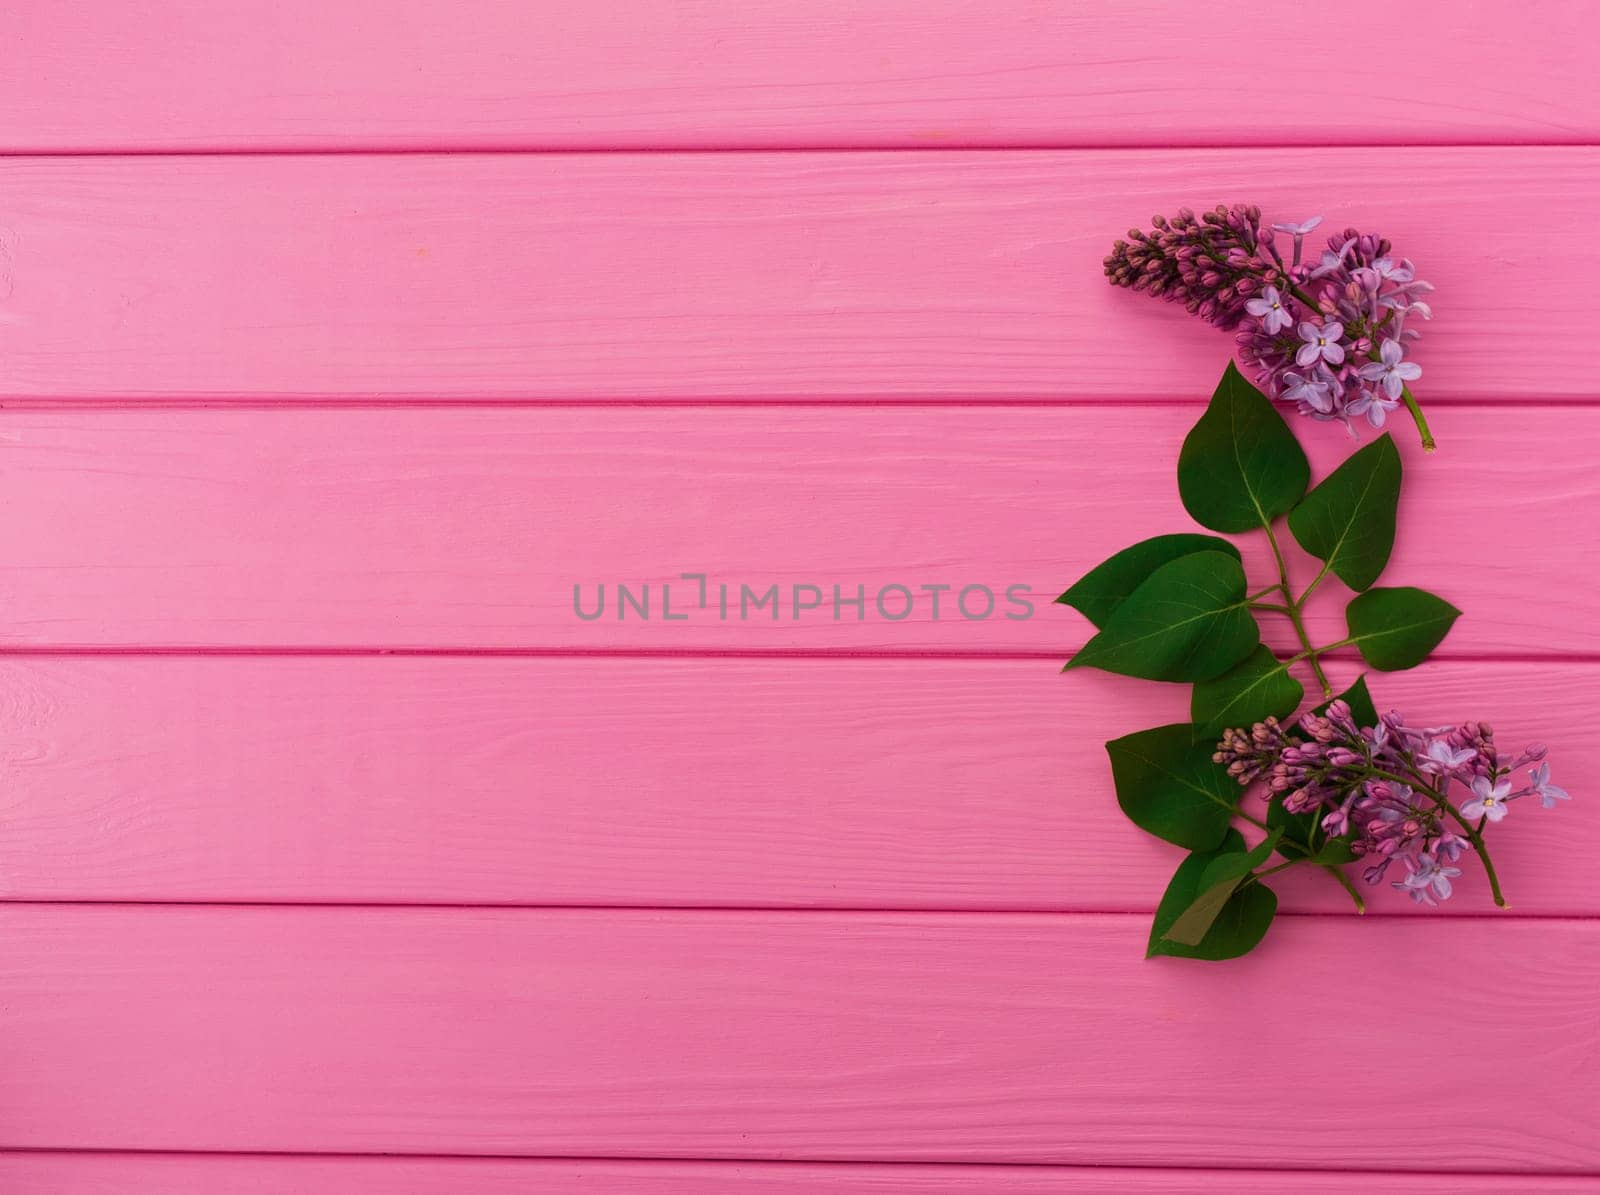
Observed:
{"x":1421,"y":797}
{"x":1329,"y":335}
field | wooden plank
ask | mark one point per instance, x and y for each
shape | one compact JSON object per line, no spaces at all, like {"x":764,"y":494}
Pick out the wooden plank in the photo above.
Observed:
{"x":48,"y":1173}
{"x":918,"y":784}
{"x":469,"y":528}
{"x":499,"y":74}
{"x":910,"y":1037}
{"x":791,"y":275}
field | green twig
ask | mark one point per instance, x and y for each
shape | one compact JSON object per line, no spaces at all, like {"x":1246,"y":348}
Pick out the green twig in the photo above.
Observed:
{"x":1291,"y":608}
{"x":1337,"y":873}
{"x":1419,"y":418}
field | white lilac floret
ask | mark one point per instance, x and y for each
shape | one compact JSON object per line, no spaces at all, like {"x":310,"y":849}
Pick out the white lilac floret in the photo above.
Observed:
{"x":1417,"y":796}
{"x":1330,"y":337}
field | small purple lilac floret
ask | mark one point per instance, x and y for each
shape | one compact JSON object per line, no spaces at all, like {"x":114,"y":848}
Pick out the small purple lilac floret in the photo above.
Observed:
{"x":1321,"y":343}
{"x":1549,"y":793}
{"x":1269,"y":307}
{"x":1389,"y":371}
{"x":1426,"y":879}
{"x":1488,"y":799}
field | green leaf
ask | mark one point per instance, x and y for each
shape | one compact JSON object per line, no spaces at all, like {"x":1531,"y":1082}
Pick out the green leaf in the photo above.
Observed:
{"x":1169,"y":785}
{"x":1189,"y":621}
{"x":1241,"y":923}
{"x":1218,"y":882}
{"x":1397,"y":628}
{"x":1335,"y":851}
{"x":1241,"y":466}
{"x":1348,"y":519}
{"x":1108,"y":585}
{"x":1184,"y":887}
{"x":1257,"y":687}
{"x":1300,"y":831}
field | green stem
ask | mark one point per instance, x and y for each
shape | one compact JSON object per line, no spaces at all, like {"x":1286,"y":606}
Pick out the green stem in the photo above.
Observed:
{"x":1337,"y":873}
{"x":1332,"y":869}
{"x":1315,"y":581}
{"x":1252,"y":819}
{"x":1348,"y":641}
{"x":1284,"y":866}
{"x":1317,"y":651}
{"x":1292,"y":609}
{"x":1300,"y":294}
{"x":1488,"y":868}
{"x":1421,"y":420}
{"x":1311,"y":653}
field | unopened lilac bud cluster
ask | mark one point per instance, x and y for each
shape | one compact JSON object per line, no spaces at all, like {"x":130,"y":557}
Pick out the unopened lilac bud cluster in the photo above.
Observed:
{"x":1331,"y":336}
{"x":1210,"y":263}
{"x":1417,"y":796}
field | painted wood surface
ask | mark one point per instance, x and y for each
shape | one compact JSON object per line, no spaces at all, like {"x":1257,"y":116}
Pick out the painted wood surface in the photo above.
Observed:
{"x":749,"y":276}
{"x":439,"y":528}
{"x":185,"y":74}
{"x":884,"y":783}
{"x":51,"y":1173}
{"x":467,"y":380}
{"x":799,"y":1036}
{"x":469,"y":528}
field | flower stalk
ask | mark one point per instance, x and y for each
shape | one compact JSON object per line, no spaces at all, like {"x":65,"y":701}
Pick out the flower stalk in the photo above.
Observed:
{"x":1417,"y":417}
{"x":1293,"y":608}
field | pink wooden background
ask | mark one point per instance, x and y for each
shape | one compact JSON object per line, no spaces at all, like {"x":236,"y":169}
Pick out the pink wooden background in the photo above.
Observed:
{"x":337,"y":340}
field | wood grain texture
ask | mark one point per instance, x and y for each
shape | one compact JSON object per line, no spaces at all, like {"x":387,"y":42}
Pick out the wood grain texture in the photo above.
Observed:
{"x":468,"y":528}
{"x":916,"y":784}
{"x":49,"y":1173}
{"x":184,"y":74}
{"x":931,"y":1037}
{"x":695,"y":276}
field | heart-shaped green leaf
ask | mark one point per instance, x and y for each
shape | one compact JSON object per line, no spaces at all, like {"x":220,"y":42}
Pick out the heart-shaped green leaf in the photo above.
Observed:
{"x":1348,"y":519}
{"x":1189,"y":621}
{"x":1257,"y":687}
{"x":1169,"y":785}
{"x":1397,"y":628}
{"x":1239,"y":925}
{"x":1218,"y":882}
{"x":1241,"y":466}
{"x":1108,"y":585}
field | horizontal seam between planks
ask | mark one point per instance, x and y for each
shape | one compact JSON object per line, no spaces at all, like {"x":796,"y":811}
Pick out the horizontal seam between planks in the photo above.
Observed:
{"x":978,"y":655}
{"x":730,"y":910}
{"x":842,"y":1163}
{"x":380,"y":148}
{"x":845,"y":401}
